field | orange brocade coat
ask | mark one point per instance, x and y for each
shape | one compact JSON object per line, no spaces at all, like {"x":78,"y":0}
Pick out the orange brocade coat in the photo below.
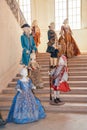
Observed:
{"x":36,"y":35}
{"x":71,"y":46}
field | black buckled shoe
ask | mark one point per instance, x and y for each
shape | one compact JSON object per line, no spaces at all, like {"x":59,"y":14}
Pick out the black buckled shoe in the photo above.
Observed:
{"x":55,"y":100}
{"x":58,"y":100}
{"x":51,"y":67}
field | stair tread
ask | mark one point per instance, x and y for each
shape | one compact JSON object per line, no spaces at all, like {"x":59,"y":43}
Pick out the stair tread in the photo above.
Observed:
{"x":63,"y":94}
{"x":47,"y":88}
{"x":68,"y":104}
{"x":78,"y":71}
{"x":78,"y":76}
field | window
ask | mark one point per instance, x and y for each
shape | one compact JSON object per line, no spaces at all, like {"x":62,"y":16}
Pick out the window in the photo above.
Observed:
{"x":70,"y":9}
{"x":25,"y":6}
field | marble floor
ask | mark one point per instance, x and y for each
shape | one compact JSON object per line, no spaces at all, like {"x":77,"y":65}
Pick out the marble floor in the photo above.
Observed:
{"x":53,"y":121}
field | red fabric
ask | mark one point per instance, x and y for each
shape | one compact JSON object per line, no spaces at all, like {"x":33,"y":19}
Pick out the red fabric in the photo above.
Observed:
{"x":64,"y":87}
{"x":54,"y":87}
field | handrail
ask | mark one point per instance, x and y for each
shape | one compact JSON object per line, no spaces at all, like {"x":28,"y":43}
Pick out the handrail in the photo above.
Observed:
{"x":14,"y":6}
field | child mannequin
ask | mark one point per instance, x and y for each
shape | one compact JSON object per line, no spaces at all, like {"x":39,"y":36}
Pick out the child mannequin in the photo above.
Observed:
{"x":35,"y":74}
{"x":25,"y":106}
{"x":59,"y":75}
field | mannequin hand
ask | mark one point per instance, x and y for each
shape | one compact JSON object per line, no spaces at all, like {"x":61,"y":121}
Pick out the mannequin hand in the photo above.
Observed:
{"x":19,"y":90}
{"x":34,"y":87}
{"x":27,"y":52}
{"x":29,"y":68}
{"x":61,"y":81}
{"x":49,"y":73}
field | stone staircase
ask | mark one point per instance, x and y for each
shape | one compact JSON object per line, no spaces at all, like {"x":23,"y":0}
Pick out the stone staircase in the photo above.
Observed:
{"x":75,"y":100}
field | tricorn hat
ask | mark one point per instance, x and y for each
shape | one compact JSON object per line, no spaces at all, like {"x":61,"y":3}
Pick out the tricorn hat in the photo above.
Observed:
{"x":25,"y":25}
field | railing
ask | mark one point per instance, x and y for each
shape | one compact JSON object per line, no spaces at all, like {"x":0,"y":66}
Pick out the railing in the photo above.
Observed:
{"x":14,"y":6}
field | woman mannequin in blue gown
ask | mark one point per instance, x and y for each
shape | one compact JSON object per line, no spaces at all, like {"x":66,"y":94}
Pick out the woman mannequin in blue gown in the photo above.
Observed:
{"x":25,"y":107}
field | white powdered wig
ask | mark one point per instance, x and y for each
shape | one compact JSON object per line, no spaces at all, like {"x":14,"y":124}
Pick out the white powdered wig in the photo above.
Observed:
{"x":63,"y":60}
{"x":24,"y":72}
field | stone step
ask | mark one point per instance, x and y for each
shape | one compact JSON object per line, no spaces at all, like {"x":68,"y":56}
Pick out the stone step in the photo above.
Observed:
{"x":77,"y":61}
{"x":67,"y":98}
{"x":82,"y":68}
{"x":43,"y":57}
{"x":47,"y":61}
{"x":40,"y":60}
{"x":77,"y":73}
{"x":78,"y":57}
{"x":46,"y":83}
{"x":69,"y":65}
{"x":70,"y":72}
{"x":74,"y":90}
{"x":77,"y":65}
{"x":71,"y":78}
{"x":77,"y":78}
{"x":66,"y":107}
{"x":43,"y":54}
{"x":13,"y":84}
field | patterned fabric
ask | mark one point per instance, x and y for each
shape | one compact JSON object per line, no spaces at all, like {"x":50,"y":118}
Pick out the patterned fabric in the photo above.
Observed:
{"x":66,"y":39}
{"x":25,"y":106}
{"x":52,"y":37}
{"x":37,"y":78}
{"x":60,"y":74}
{"x":35,"y":74}
{"x":36,"y":35}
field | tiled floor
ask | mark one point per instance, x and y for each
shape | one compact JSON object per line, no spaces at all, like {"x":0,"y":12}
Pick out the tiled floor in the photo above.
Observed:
{"x":54,"y":121}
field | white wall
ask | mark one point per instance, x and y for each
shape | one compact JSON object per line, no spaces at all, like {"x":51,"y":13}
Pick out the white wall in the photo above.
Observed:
{"x":10,"y":46}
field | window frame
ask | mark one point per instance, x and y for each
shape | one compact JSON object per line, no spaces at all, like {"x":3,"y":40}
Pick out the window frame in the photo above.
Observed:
{"x":67,"y":15}
{"x":26,"y":13}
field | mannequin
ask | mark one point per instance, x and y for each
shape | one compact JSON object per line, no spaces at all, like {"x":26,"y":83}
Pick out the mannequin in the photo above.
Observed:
{"x":27,"y":43}
{"x":34,"y":72}
{"x":52,"y":47}
{"x":59,"y":75}
{"x":25,"y":107}
{"x":36,"y":32}
{"x":67,"y":40}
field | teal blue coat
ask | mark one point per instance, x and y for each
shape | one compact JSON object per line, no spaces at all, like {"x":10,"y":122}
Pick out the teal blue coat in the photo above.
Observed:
{"x":28,"y":44}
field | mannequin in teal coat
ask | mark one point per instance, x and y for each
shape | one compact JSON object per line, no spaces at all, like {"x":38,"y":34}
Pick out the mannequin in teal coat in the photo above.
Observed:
{"x":28,"y":44}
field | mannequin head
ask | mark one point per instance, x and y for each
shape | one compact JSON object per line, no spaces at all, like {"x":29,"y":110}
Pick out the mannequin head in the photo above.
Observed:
{"x":65,"y":21}
{"x":52,"y":26}
{"x":24,"y":72}
{"x":26,"y":28}
{"x":34,"y":23}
